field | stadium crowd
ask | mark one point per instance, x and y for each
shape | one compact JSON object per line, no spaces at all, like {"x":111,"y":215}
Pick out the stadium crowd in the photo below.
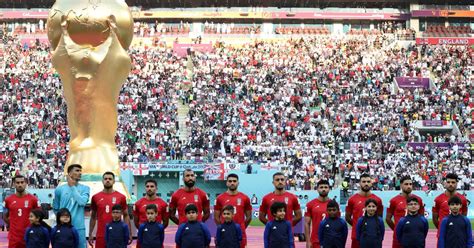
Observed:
{"x":293,"y":102}
{"x":142,"y":29}
{"x":297,"y":103}
{"x":24,"y":27}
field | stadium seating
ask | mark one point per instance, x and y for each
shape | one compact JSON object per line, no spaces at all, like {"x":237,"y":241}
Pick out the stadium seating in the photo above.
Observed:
{"x":229,"y":29}
{"x":449,"y":31}
{"x":364,"y":32}
{"x":302,"y":31}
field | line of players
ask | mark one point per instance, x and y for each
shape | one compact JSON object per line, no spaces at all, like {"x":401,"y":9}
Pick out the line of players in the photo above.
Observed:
{"x":397,"y":209}
{"x":21,"y":203}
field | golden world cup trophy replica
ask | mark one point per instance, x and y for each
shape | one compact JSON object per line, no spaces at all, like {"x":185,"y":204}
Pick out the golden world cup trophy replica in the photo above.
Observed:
{"x":89,"y":39}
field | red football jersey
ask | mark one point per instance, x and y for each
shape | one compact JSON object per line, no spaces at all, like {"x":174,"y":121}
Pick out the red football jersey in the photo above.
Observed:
{"x":102,"y":204}
{"x":356,"y":205}
{"x":139,"y":209}
{"x":19,"y":209}
{"x":442,"y":208}
{"x":291,"y":201}
{"x":398,"y":207}
{"x":316,"y":209}
{"x":181,"y":198}
{"x":240,"y":202}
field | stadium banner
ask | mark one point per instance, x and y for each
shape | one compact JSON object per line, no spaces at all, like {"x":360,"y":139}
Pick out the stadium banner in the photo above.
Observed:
{"x":274,"y":165}
{"x":32,"y":40}
{"x":232,"y":166}
{"x":433,"y":123}
{"x":214,"y":172}
{"x":200,"y":15}
{"x":422,"y":145}
{"x":442,"y":13}
{"x":24,"y":15}
{"x":267,"y":15}
{"x":140,"y":169}
{"x":176,"y":167}
{"x":240,"y":15}
{"x":27,"y":14}
{"x":413,"y":82}
{"x":182,"y":49}
{"x":161,"y":166}
{"x":339,"y":16}
{"x":354,"y":146}
{"x":460,"y":41}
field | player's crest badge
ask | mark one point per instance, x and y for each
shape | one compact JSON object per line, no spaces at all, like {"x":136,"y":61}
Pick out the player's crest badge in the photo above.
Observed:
{"x":286,"y":200}
{"x":196,"y":197}
{"x":114,"y":200}
{"x":26,"y":204}
{"x":239,"y":201}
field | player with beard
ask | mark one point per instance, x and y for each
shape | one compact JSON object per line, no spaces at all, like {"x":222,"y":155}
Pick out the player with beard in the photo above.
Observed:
{"x":280,"y":195}
{"x":139,"y":208}
{"x":398,"y":206}
{"x":356,"y":205}
{"x":189,"y":194}
{"x":441,"y":207}
{"x":101,"y":210}
{"x":315,"y":213}
{"x":19,"y":206}
{"x":240,"y":202}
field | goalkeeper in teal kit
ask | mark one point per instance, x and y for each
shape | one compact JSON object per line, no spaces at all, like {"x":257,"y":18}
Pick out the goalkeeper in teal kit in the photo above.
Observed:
{"x":74,"y":197}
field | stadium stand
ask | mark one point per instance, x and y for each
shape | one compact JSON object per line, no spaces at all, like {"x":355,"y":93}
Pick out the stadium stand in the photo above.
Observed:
{"x":142,"y":29}
{"x":270,"y":106}
{"x":305,"y":31}
{"x":224,"y":28}
{"x":449,"y":31}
